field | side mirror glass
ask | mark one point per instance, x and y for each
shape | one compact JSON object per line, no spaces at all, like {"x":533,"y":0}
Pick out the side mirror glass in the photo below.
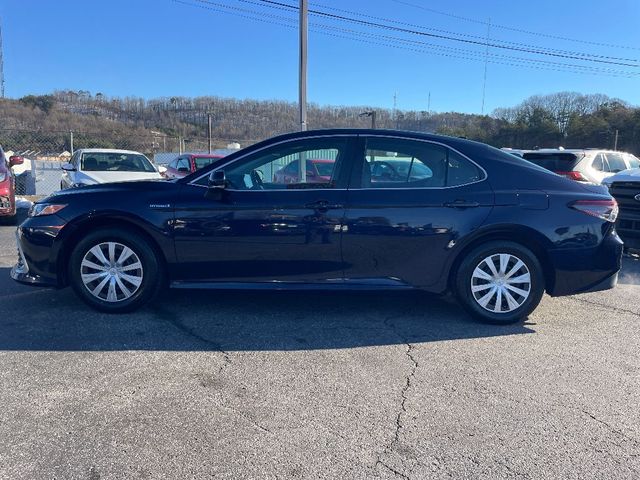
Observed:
{"x":15,"y":160}
{"x":67,"y":167}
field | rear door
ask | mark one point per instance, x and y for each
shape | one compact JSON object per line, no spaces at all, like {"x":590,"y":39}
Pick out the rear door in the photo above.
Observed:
{"x":410,"y":202}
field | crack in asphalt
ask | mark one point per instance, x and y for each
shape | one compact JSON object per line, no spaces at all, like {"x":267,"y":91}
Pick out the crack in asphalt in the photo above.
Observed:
{"x":602,"y":305}
{"x":391,"y":469}
{"x":403,"y":394}
{"x":174,"y":320}
{"x":611,"y":428}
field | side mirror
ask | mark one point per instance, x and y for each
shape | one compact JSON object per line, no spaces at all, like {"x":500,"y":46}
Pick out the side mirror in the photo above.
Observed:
{"x":217,"y":185}
{"x":15,"y":160}
{"x":162,"y":170}
{"x":218,"y":180}
{"x":67,"y":167}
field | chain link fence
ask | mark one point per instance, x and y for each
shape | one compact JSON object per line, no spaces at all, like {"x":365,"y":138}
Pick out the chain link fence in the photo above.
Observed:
{"x":44,"y":153}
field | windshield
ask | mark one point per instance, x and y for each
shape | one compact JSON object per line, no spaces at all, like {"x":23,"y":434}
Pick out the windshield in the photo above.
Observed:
{"x":202,"y":162}
{"x":116,"y":162}
{"x":556,"y":162}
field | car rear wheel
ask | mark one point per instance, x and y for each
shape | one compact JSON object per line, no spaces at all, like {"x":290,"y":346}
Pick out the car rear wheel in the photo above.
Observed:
{"x":500,"y":282}
{"x":115,"y":271}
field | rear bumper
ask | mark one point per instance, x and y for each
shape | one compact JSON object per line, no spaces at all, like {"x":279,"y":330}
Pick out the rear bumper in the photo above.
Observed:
{"x":587,"y":269}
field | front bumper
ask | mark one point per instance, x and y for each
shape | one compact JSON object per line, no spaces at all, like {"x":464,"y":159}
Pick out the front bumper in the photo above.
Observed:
{"x":38,"y":251}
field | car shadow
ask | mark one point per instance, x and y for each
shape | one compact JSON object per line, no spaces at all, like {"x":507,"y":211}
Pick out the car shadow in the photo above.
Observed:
{"x":199,"y":320}
{"x":630,"y":273}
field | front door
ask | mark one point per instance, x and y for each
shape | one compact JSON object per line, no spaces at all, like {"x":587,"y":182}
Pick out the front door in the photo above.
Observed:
{"x":270,"y":224}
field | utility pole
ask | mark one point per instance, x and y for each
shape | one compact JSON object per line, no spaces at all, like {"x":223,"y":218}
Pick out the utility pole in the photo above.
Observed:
{"x":71,"y":141}
{"x":303,"y":65}
{"x":210,"y":139}
{"x":486,"y":61}
{"x":1,"y":64}
{"x":372,"y":114}
{"x":615,"y":142}
{"x":429,"y":104}
{"x":395,"y":108}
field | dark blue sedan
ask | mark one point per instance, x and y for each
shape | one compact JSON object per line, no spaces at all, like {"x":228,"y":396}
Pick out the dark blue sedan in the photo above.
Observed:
{"x":397,"y":210}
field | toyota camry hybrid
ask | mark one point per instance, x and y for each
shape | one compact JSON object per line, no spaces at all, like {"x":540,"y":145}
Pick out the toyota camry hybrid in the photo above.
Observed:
{"x":395,"y":210}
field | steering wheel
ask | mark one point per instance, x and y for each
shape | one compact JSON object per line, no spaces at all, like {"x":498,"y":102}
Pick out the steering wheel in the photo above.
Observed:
{"x":257,"y":179}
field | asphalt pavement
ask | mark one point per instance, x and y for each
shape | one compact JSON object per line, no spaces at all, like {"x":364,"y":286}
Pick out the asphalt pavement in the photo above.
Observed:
{"x":317,"y":385}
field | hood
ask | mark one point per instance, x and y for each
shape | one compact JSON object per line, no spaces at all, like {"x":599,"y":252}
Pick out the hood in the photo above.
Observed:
{"x":631,"y":175}
{"x":109,"y":177}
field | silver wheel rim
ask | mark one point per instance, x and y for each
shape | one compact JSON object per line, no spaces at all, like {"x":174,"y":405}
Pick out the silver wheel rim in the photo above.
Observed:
{"x":111,"y":272}
{"x":501,"y":283}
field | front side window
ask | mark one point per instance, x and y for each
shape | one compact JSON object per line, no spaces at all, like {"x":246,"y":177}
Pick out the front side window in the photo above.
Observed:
{"x":634,"y":162}
{"x":115,"y":162}
{"x":399,"y":163}
{"x":309,"y":163}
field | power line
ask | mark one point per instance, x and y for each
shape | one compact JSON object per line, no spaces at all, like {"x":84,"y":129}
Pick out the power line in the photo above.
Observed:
{"x":440,"y":36}
{"x":515,"y":29}
{"x":398,"y":43}
{"x":449,"y":32}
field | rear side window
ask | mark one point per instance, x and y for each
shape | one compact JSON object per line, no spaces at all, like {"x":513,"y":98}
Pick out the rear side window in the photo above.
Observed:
{"x":400,"y":163}
{"x":556,"y":162}
{"x":616,"y":162}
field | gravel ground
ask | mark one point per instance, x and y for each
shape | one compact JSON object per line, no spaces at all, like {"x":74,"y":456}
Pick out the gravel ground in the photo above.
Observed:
{"x":317,"y":385}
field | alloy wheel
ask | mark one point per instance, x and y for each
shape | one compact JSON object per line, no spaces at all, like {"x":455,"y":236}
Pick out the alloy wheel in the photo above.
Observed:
{"x":111,"y":271}
{"x":501,"y":283}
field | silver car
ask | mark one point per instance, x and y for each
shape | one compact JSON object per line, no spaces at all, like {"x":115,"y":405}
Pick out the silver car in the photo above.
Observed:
{"x":588,"y":165}
{"x":97,"y":165}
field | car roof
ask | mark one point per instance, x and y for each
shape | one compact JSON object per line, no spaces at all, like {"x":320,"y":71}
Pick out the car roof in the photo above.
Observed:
{"x":106,"y":150}
{"x":205,"y":155}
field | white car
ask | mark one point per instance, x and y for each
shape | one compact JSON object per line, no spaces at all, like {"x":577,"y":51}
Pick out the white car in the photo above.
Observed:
{"x":90,"y":166}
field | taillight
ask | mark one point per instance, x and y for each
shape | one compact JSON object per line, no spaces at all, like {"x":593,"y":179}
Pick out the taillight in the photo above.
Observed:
{"x":573,"y":175}
{"x":604,"y":209}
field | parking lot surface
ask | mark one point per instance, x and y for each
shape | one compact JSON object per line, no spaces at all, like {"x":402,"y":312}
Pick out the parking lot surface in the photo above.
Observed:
{"x":317,"y":385}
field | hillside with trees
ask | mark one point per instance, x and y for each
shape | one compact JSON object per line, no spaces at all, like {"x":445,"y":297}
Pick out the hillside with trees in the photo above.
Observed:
{"x":567,"y":118}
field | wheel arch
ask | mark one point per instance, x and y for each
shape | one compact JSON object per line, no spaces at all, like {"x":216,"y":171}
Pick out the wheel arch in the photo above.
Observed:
{"x":82,"y":227}
{"x":525,"y":236}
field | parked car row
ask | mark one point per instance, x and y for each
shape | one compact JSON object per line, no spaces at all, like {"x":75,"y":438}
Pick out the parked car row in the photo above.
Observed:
{"x":619,"y":171}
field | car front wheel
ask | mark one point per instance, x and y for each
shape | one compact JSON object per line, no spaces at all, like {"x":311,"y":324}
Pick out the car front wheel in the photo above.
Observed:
{"x":115,"y":270}
{"x":500,"y":282}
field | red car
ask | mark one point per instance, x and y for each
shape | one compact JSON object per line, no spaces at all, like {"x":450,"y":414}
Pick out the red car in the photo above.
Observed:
{"x":189,"y":163}
{"x":8,"y":187}
{"x":318,"y":171}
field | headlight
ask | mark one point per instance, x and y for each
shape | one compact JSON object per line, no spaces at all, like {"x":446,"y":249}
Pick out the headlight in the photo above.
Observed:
{"x":42,"y":209}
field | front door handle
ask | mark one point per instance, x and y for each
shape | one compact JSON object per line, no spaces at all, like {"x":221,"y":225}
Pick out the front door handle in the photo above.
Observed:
{"x":323,"y":205}
{"x":461,"y":204}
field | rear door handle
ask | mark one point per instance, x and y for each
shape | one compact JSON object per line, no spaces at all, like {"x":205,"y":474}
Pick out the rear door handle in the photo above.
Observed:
{"x":461,"y":204}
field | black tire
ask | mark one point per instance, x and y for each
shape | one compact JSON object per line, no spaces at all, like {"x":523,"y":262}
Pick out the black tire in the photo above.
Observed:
{"x":9,"y":220}
{"x":465,"y":278}
{"x":151,"y":273}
